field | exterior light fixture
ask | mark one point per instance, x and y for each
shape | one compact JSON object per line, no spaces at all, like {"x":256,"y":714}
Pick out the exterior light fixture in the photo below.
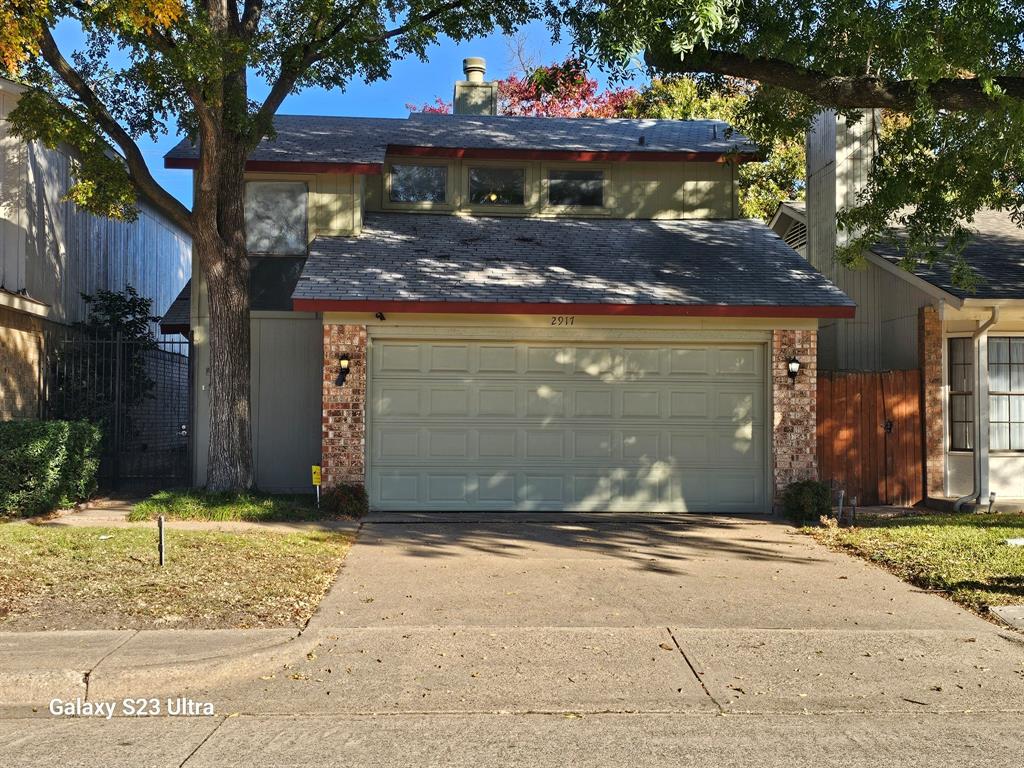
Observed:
{"x":344,"y":363}
{"x":792,"y":367}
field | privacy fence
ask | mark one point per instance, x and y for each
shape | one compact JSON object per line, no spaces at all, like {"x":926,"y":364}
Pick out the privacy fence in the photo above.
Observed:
{"x":870,"y":437}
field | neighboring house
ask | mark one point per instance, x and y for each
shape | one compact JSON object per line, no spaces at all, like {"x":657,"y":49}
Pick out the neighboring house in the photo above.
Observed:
{"x":973,"y":414}
{"x":472,"y":312}
{"x":51,"y":253}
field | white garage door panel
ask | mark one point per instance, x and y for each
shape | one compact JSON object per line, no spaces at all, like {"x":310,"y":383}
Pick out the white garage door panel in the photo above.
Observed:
{"x":492,"y":425}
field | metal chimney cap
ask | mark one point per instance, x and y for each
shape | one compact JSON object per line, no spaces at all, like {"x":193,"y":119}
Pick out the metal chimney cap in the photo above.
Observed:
{"x":474,"y":67}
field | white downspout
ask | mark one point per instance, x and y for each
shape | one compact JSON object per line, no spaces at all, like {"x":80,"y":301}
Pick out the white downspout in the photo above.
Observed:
{"x":944,"y":389}
{"x":981,"y":425}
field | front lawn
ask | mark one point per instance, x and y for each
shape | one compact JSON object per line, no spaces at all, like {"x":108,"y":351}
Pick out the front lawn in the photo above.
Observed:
{"x":56,"y":577}
{"x":961,"y":555}
{"x":199,"y":505}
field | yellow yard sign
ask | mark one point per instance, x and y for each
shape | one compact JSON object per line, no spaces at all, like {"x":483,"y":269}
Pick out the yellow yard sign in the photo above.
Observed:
{"x":316,"y":474}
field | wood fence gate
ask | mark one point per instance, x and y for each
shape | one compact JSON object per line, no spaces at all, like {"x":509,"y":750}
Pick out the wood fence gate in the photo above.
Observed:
{"x":870,"y":437}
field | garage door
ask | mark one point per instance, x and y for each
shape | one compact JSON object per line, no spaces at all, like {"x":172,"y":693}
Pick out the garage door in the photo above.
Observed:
{"x":533,"y":426}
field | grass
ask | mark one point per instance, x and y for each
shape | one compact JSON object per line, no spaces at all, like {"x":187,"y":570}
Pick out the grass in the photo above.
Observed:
{"x":55,"y":577}
{"x":220,"y":507}
{"x":962,"y":555}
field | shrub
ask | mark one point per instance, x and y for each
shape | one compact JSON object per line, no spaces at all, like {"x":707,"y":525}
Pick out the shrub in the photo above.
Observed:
{"x":806,"y":501}
{"x":348,"y":499}
{"x":46,"y":464}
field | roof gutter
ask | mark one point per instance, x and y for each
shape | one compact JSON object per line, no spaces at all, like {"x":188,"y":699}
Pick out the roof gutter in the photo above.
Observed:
{"x":981,"y":425}
{"x":556,"y":308}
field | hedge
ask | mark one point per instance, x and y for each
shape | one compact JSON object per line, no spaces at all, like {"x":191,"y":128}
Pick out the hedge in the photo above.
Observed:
{"x":45,"y":465}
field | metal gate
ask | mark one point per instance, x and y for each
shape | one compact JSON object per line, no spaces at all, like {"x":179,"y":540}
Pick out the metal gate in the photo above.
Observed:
{"x":138,"y":391}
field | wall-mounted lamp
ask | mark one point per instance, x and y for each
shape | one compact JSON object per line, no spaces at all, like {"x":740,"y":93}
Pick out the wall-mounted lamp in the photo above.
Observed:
{"x":792,"y":368}
{"x":344,"y":363}
{"x":380,"y":316}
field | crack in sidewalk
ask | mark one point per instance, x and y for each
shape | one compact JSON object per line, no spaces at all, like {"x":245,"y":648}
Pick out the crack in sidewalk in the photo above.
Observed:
{"x":693,"y":669}
{"x":87,"y":676}
{"x":202,"y":743}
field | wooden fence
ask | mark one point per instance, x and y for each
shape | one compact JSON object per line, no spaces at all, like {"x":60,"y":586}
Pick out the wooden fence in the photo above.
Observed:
{"x":870,"y":440}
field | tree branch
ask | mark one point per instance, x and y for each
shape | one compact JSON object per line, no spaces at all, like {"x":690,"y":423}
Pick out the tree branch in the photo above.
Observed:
{"x":314,"y":50}
{"x":841,"y":92}
{"x":138,"y":172}
{"x":251,"y":16}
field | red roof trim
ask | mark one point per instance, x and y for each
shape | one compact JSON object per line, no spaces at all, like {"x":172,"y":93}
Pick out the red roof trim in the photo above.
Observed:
{"x":284,"y":166}
{"x":519,"y":308}
{"x":568,"y":155}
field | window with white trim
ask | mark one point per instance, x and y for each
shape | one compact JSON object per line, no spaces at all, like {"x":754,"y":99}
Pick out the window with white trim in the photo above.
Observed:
{"x":1005,"y":393}
{"x":961,"y":395}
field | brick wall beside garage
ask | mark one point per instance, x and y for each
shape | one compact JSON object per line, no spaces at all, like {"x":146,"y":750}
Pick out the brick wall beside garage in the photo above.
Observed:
{"x":929,"y":340}
{"x":344,"y":407}
{"x":794,"y":407}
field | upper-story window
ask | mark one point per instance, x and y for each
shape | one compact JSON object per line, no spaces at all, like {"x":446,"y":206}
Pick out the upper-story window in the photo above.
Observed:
{"x":418,"y":183}
{"x":576,"y":188}
{"x":275,"y":217}
{"x":497,"y":186}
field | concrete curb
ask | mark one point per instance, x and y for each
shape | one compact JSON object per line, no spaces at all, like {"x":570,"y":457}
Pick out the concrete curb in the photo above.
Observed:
{"x":126,"y":668}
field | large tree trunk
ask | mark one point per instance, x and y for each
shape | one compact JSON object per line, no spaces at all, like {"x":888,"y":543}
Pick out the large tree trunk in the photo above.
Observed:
{"x":220,"y":246}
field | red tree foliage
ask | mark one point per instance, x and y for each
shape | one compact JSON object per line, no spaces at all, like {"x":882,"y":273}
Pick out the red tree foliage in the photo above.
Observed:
{"x":556,"y":90}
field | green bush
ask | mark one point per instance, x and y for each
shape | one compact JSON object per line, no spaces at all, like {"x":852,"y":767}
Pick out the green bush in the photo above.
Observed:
{"x":46,"y":464}
{"x":347,"y":499}
{"x":806,"y":501}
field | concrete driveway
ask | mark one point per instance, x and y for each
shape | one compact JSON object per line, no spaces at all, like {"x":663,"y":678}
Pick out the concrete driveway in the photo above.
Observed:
{"x":614,"y":640}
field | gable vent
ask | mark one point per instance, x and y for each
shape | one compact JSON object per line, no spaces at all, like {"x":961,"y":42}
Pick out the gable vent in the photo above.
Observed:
{"x":796,"y":235}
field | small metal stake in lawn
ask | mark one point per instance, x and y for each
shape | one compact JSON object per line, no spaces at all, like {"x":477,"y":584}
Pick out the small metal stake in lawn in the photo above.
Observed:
{"x":160,"y":528}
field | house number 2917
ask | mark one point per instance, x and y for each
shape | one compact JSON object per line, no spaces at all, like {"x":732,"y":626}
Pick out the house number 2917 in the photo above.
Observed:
{"x":563,"y":320}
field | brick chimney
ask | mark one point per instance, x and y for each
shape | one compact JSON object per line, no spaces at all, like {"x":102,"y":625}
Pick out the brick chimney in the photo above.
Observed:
{"x":474,"y":96}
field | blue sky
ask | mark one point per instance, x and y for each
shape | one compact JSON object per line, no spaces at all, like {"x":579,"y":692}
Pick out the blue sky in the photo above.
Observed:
{"x":412,"y":82}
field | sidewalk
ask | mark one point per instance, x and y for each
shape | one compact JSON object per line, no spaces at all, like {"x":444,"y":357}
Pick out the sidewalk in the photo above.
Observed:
{"x":113,"y":513}
{"x":616,"y":640}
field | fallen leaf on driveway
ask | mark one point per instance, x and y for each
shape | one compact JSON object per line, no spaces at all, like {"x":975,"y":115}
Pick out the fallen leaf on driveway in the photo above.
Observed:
{"x":666,"y":647}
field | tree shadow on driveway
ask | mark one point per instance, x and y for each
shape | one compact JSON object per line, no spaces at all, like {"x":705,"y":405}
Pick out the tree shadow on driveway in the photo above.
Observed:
{"x":659,"y":543}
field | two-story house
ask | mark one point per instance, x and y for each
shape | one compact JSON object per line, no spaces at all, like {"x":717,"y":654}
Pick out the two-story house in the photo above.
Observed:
{"x":51,"y":253}
{"x":477,"y":312}
{"x":968,"y":345}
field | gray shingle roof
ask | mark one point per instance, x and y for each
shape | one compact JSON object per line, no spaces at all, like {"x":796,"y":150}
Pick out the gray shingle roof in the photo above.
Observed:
{"x":308,"y":138}
{"x":305,"y":138}
{"x":176,"y":319}
{"x":416,"y":257}
{"x":574,"y":134}
{"x":995,"y":251}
